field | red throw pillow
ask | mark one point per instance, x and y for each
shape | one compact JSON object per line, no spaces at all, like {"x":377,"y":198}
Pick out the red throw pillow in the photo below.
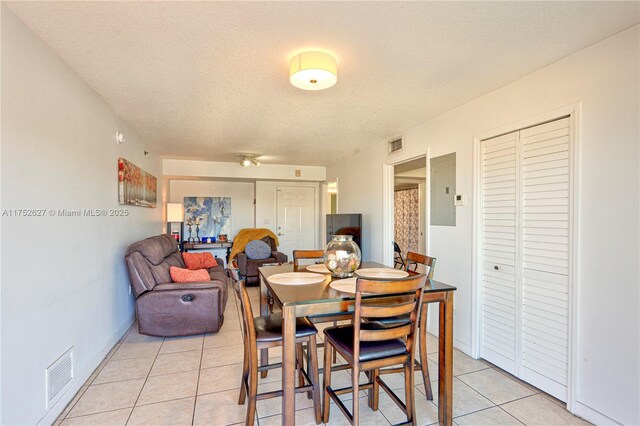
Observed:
{"x":181,"y":275}
{"x":195,"y":261}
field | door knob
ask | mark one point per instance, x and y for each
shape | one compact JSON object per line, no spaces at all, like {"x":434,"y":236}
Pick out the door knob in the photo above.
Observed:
{"x":280,"y":234}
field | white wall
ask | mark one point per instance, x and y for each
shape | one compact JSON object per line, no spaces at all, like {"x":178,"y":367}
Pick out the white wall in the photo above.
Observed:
{"x":64,"y":282}
{"x":604,"y":79}
{"x":360,"y":191}
{"x":242,"y":195}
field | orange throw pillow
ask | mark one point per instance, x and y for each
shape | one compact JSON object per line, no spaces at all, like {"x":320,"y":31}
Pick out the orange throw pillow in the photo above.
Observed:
{"x":181,"y":275}
{"x":195,"y":261}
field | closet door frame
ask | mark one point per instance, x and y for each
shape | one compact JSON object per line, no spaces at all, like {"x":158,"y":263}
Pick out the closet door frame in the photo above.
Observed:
{"x":574,"y":113}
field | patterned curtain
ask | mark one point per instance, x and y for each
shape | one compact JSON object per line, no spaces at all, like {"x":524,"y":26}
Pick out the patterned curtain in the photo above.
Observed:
{"x":406,"y":221}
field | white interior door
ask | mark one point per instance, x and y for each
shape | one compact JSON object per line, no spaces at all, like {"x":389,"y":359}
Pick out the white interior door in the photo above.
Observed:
{"x":526,"y":203}
{"x":296,"y":227}
{"x":500,"y":301}
{"x":545,"y":256}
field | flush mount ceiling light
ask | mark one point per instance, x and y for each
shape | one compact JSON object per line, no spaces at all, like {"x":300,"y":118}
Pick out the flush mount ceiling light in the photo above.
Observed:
{"x":313,"y":71}
{"x":247,"y":160}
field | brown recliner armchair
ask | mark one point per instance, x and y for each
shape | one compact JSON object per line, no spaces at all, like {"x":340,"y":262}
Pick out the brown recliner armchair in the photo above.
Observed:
{"x":249,"y":267}
{"x":165,"y":308}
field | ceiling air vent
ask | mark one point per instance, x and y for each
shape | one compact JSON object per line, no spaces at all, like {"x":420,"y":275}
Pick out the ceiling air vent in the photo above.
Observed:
{"x":395,"y":145}
{"x":59,"y":374}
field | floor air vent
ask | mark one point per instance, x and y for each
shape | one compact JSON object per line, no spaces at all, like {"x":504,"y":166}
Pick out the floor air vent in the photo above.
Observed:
{"x":59,"y":374}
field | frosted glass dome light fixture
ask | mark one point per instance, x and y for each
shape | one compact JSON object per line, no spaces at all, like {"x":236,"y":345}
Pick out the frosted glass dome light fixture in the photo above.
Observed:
{"x":313,"y":71}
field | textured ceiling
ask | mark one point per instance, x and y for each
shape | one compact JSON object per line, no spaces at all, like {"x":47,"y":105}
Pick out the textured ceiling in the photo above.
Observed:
{"x":208,"y":80}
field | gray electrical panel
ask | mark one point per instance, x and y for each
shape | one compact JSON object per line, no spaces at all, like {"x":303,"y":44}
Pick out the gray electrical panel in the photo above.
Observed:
{"x":443,"y":190}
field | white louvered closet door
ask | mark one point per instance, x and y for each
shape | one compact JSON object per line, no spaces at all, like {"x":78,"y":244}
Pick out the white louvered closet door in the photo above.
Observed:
{"x":500,"y":297}
{"x":545,"y":256}
{"x":526,"y":224}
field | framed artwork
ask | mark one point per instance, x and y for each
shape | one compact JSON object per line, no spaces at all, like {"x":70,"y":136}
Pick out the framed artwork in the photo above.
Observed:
{"x":135,"y":186}
{"x":211,"y":214}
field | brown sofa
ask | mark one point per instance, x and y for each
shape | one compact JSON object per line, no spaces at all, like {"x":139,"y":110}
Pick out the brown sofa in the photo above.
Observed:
{"x":249,"y":267}
{"x":169,"y":309}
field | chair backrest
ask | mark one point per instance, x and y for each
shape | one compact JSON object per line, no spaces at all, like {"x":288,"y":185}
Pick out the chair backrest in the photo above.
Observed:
{"x":306,"y":254}
{"x":398,"y":261}
{"x":414,"y":284}
{"x":396,"y":248}
{"x":415,"y":258}
{"x":248,"y":327}
{"x":271,"y":242}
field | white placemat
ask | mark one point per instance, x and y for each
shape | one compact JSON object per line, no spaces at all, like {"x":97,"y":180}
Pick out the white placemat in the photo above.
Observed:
{"x":347,"y":285}
{"x":384,"y":273}
{"x":296,"y":278}
{"x":319,"y":268}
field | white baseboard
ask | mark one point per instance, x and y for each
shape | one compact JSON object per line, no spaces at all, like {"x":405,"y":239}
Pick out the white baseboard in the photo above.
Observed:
{"x":592,"y":416}
{"x":80,"y":379}
{"x":462,"y":346}
{"x":457,"y":344}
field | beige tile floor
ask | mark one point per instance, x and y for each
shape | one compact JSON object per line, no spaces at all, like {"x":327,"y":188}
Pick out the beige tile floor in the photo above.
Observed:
{"x":195,"y":380}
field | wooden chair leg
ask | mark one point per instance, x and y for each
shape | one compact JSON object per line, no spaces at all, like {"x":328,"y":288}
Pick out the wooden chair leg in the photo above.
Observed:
{"x":300,"y":363}
{"x":409,"y":392}
{"x":375,"y":391}
{"x":310,"y":394}
{"x":245,"y":377}
{"x":326,"y":399}
{"x":369,"y":375}
{"x":335,"y":353}
{"x":312,"y":367}
{"x":423,"y":352}
{"x":264,"y":360}
{"x":253,"y":392}
{"x":355,"y":379}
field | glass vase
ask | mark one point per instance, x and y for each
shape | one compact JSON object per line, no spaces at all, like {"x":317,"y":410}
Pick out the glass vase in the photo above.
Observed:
{"x":342,"y":256}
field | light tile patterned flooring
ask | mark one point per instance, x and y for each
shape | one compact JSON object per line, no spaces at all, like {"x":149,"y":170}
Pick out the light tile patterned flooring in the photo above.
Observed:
{"x":195,"y":380}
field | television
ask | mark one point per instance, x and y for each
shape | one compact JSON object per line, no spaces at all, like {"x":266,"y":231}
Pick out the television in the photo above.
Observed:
{"x":345,"y":224}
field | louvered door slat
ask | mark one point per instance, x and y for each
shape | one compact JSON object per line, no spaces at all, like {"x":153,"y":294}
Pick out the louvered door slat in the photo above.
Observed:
{"x":549,"y":331}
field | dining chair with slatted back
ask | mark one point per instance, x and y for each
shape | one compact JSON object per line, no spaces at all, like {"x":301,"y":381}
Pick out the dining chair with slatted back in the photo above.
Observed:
{"x":430,"y":265}
{"x":306,"y":254}
{"x":398,"y":261}
{"x":413,"y":259}
{"x":369,"y":346}
{"x":266,"y":332}
{"x":318,"y":254}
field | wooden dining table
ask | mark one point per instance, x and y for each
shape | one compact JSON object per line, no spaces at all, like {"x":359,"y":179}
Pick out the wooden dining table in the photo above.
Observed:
{"x":313,"y":300}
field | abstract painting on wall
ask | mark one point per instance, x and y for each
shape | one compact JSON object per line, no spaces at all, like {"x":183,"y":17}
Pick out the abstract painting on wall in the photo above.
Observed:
{"x":135,"y":186}
{"x":211,"y":214}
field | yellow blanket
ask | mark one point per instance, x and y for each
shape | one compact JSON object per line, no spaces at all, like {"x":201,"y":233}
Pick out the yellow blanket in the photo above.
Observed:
{"x":249,"y":234}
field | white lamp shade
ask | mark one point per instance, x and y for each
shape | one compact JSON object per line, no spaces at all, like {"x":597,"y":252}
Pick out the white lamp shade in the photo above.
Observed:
{"x":175,"y":212}
{"x":313,"y":71}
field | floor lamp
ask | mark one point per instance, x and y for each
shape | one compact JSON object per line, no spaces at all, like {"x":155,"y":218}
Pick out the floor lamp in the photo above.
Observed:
{"x":175,"y":214}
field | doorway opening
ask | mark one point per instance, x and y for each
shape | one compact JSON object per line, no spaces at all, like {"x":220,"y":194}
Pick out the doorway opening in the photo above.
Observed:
{"x":409,"y":209}
{"x":332,"y":197}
